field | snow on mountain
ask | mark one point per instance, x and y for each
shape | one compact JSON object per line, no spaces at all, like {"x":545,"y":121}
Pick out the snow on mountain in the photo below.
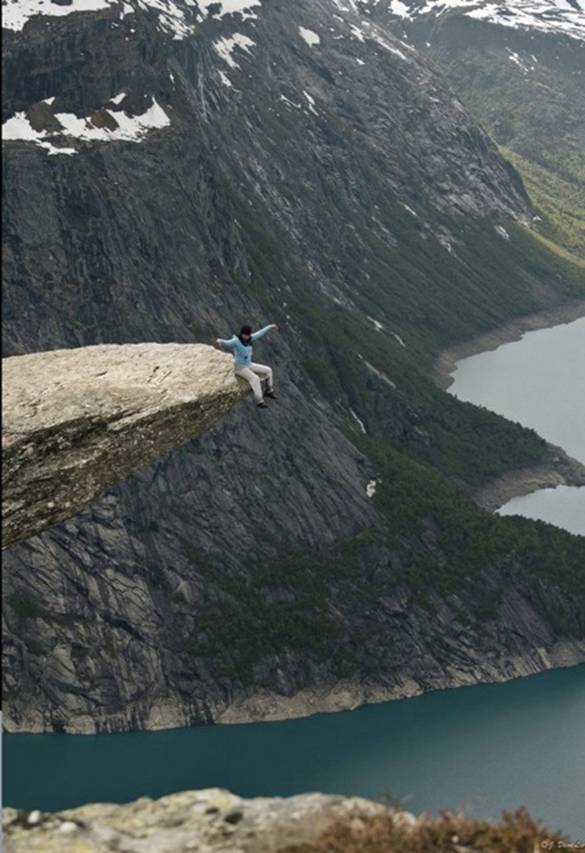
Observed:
{"x":175,"y":16}
{"x":309,"y":36}
{"x":120,"y":126}
{"x":226,"y":46}
{"x":16,"y":14}
{"x":557,"y":16}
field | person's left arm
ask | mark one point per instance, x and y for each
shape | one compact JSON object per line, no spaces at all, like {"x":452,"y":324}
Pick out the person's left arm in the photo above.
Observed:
{"x":261,"y":332}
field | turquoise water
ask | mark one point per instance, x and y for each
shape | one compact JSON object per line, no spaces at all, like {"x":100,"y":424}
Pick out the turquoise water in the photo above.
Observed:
{"x":485,"y":748}
{"x":538,"y":381}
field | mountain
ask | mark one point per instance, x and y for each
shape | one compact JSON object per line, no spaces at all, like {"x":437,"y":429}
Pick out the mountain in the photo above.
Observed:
{"x":172,"y":170}
{"x":519,"y":67}
{"x":552,"y":17}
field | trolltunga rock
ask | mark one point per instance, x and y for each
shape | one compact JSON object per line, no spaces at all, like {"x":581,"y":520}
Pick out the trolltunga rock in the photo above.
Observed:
{"x":76,"y":421}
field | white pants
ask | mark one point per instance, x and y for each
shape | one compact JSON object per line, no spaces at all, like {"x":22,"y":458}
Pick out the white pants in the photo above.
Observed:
{"x":251,"y":374}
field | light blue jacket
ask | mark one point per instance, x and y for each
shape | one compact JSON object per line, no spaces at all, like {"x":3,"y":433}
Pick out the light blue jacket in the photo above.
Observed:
{"x":243,"y":352}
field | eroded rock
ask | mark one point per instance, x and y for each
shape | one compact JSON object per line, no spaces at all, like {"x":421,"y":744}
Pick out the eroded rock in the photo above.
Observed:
{"x":76,"y":421}
{"x":216,"y":821}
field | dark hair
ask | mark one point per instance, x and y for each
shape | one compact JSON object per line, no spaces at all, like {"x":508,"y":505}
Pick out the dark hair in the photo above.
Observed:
{"x":245,"y":330}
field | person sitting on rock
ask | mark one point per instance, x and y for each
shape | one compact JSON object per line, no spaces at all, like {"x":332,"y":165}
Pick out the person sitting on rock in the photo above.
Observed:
{"x":241,"y":345}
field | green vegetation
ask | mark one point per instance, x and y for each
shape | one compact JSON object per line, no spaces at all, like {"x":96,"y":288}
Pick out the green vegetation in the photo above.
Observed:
{"x":536,"y":113}
{"x":432,"y":300}
{"x":428,"y":448}
{"x":25,"y":606}
{"x":558,"y":200}
{"x":298,"y":605}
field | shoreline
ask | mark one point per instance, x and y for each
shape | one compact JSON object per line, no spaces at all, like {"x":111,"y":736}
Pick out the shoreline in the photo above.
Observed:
{"x":560,"y":468}
{"x":265,"y":706}
{"x":508,"y":333}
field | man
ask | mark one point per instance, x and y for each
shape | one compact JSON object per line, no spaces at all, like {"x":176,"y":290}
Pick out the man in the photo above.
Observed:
{"x":241,"y":345}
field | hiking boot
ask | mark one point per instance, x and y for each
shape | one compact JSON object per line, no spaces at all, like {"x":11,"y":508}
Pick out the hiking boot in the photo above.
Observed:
{"x":270,"y":394}
{"x":261,"y":405}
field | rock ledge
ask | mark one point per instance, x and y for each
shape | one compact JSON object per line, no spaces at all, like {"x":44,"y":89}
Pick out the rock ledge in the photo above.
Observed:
{"x":77,"y":421}
{"x":216,"y":821}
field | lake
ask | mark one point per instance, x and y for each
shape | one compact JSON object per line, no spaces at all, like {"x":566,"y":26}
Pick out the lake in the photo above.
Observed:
{"x":485,"y":747}
{"x":538,"y":381}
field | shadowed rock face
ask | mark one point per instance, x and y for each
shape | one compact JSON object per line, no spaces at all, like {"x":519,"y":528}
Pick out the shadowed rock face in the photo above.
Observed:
{"x":77,"y":421}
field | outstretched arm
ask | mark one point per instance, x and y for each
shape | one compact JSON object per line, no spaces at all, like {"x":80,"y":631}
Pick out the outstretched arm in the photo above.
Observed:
{"x":229,"y":342}
{"x":261,"y":332}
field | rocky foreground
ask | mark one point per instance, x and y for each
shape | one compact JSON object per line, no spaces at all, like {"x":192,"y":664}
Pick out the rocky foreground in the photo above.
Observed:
{"x":216,"y":821}
{"x":76,"y":421}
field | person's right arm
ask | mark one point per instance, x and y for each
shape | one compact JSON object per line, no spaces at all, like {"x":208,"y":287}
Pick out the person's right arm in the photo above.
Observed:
{"x":229,"y":342}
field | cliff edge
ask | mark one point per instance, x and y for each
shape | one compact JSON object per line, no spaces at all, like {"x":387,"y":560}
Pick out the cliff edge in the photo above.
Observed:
{"x":216,"y":821}
{"x":76,"y":421}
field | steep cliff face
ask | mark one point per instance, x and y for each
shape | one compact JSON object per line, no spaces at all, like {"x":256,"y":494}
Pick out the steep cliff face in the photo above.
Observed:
{"x":519,"y":67}
{"x":191,"y":168}
{"x":77,"y":421}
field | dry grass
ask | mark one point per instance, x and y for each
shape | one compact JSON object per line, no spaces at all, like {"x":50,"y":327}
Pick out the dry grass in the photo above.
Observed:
{"x":447,"y":833}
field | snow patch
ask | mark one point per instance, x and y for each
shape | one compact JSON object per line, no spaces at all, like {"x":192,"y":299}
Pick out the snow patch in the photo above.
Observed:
{"x":225,"y":80}
{"x":232,"y":7}
{"x":400,"y":9}
{"x":309,"y":36}
{"x":389,"y":47}
{"x":311,"y":101}
{"x":52,"y":149}
{"x":550,"y":16}
{"x":376,"y":323}
{"x":371,"y":488}
{"x":226,"y":46}
{"x":289,"y":102}
{"x":19,"y":128}
{"x":502,"y":232}
{"x":15,"y":15}
{"x":399,"y":339}
{"x":171,"y":17}
{"x":379,"y":374}
{"x":130,"y":128}
{"x":446,"y":243}
{"x":406,"y":207}
{"x":358,"y":421}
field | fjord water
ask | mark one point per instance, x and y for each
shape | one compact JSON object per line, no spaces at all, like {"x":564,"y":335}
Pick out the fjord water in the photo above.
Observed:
{"x":538,"y":381}
{"x":485,"y":748}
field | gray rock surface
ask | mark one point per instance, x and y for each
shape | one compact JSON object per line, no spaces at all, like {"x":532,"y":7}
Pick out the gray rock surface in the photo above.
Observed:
{"x":206,"y":821}
{"x":215,"y":821}
{"x":74,"y":422}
